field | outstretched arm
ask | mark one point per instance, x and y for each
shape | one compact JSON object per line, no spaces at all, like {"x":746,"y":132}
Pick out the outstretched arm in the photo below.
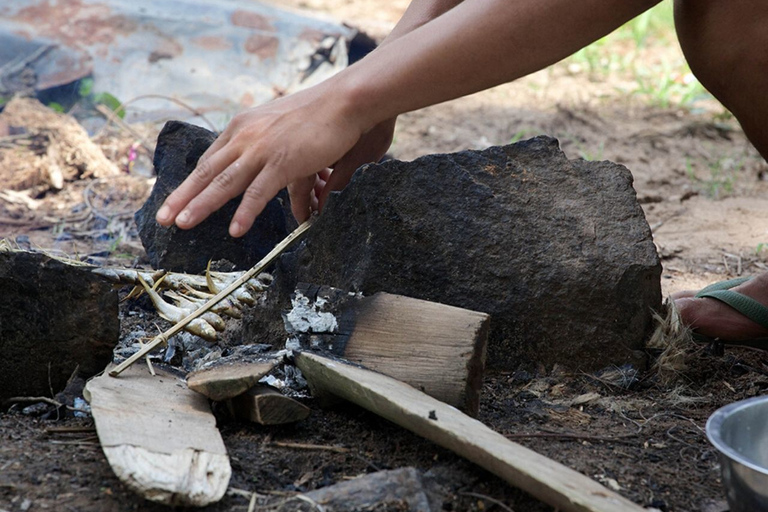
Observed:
{"x":312,"y":193}
{"x":473,"y":46}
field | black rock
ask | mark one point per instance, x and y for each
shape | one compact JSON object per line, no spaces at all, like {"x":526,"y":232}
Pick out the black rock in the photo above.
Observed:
{"x":558,"y":251}
{"x":179,"y":146}
{"x":54,"y":318}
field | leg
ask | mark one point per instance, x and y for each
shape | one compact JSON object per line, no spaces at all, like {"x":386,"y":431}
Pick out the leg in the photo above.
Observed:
{"x":726,"y":45}
{"x":718,"y":320}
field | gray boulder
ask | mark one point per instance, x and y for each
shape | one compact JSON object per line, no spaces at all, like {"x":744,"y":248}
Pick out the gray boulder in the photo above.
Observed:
{"x":179,"y":146}
{"x":558,"y":251}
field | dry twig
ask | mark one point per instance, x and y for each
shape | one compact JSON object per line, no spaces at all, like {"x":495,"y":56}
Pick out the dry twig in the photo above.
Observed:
{"x":302,"y":446}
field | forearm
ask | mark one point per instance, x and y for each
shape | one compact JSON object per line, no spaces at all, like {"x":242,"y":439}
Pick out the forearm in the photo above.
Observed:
{"x":419,"y":13}
{"x":474,"y":46}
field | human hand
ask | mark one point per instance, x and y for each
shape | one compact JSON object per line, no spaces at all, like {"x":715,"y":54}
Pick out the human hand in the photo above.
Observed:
{"x":283,"y":143}
{"x":370,"y":148}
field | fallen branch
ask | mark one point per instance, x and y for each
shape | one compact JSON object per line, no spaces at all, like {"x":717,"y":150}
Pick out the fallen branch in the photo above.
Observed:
{"x":261,"y":265}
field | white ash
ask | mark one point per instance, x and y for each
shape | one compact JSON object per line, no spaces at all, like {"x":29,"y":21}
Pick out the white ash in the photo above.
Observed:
{"x":252,"y":353}
{"x":289,"y":380}
{"x":82,"y":409}
{"x":306,"y":316}
{"x":271,"y":380}
{"x":292,"y":344}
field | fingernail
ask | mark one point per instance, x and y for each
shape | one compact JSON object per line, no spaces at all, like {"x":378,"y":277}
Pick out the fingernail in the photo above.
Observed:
{"x":235,"y":228}
{"x":163,"y":214}
{"x":183,"y":217}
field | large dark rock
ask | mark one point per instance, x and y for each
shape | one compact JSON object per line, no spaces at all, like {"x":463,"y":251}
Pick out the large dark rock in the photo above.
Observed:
{"x":179,"y":146}
{"x":54,"y":318}
{"x":558,"y":251}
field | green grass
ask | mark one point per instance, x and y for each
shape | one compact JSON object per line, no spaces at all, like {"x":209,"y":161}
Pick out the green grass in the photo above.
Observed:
{"x":721,"y":176}
{"x":644,"y":50}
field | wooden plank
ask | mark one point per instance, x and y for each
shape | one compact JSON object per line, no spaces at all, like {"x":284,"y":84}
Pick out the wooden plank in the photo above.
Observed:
{"x":267,"y":406}
{"x":160,"y":437}
{"x":229,"y":380}
{"x":547,"y":480}
{"x":435,"y":348}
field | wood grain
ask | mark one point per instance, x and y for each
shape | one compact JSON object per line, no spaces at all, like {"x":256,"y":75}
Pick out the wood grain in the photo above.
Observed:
{"x":435,"y":348}
{"x":229,"y":380}
{"x":160,"y":437}
{"x":547,"y":480}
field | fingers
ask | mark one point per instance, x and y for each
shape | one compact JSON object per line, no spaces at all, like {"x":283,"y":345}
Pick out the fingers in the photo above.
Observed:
{"x":338,"y":179}
{"x":176,"y":206}
{"x":320,"y":182}
{"x":301,"y":197}
{"x":219,"y":143}
{"x":264,"y":187}
{"x":228,"y":184}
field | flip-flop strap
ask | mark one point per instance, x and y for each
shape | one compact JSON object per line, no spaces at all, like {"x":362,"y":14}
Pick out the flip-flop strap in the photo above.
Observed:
{"x":748,"y":307}
{"x":723,"y":285}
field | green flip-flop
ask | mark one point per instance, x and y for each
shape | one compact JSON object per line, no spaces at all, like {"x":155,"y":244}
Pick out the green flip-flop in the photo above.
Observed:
{"x":748,"y":307}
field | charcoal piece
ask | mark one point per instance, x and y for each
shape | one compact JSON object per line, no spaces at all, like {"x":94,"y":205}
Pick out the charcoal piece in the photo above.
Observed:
{"x":54,"y":318}
{"x":179,"y":146}
{"x":558,"y":251}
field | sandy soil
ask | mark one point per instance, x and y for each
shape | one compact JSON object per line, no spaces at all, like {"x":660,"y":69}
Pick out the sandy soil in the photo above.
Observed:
{"x":703,"y":189}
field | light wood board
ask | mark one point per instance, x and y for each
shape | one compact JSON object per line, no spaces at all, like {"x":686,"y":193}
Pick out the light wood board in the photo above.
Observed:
{"x":229,"y":380}
{"x":160,"y":437}
{"x":435,"y":348}
{"x":549,"y":481}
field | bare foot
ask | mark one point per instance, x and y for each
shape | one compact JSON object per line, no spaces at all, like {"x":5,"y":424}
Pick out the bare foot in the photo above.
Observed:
{"x":716,"y":319}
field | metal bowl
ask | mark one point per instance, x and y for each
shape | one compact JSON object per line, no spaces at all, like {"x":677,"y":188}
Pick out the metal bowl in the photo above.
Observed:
{"x":740,"y":432}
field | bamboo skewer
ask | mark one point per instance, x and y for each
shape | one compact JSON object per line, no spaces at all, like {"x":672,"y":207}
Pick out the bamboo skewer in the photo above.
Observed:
{"x":163,"y":337}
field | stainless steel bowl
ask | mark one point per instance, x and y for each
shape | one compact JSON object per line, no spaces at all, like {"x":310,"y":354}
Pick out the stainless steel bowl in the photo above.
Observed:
{"x":740,"y":432}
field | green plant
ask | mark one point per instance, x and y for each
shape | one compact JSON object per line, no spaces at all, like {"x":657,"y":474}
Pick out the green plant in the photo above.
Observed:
{"x":668,"y":84}
{"x":519,"y":135}
{"x":723,"y":173}
{"x":85,"y":91}
{"x":592,"y":156}
{"x":584,"y":152}
{"x":56,"y":107}
{"x":644,"y":50}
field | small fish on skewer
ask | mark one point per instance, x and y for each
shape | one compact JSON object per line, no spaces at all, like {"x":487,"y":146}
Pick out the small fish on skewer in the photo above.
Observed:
{"x":225,"y":307}
{"x":240,"y":294}
{"x":175,"y":314}
{"x":190,"y":305}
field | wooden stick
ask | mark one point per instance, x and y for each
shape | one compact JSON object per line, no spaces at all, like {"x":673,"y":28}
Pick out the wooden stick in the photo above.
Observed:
{"x":547,"y":480}
{"x":305,"y":446}
{"x":269,"y":258}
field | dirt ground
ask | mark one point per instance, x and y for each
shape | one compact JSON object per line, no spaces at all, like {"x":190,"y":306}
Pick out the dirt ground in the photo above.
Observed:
{"x":703,"y":189}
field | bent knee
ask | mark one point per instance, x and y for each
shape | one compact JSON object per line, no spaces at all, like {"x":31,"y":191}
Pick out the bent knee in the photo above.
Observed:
{"x":722,"y":38}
